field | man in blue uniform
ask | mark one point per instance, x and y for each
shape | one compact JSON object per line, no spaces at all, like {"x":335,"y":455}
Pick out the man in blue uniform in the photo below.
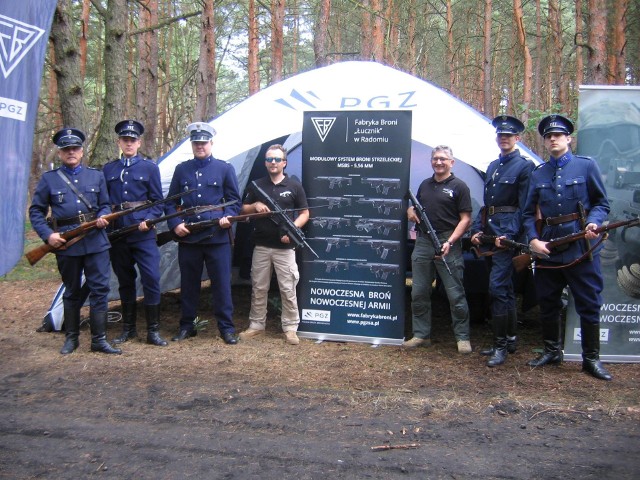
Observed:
{"x":447,"y":201}
{"x":131,"y":181}
{"x":505,"y":192}
{"x":560,"y":191}
{"x":274,"y":249}
{"x":214,"y":182}
{"x":76,"y":194}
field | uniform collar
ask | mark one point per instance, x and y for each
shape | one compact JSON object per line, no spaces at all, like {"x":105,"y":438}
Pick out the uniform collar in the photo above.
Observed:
{"x":509,"y":156}
{"x":72,"y":171}
{"x":562,"y":161}
{"x":203,"y":163}
{"x":127,"y":162}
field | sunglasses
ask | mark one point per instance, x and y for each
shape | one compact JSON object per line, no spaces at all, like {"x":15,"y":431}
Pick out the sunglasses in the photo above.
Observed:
{"x":273,"y":159}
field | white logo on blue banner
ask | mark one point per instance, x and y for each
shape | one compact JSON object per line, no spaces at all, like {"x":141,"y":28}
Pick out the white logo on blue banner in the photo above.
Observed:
{"x":16,"y":39}
{"x":323,"y":125}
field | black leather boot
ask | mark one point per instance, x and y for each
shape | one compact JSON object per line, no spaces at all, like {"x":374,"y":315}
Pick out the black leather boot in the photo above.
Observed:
{"x":153,"y":326}
{"x":98,"y":323}
{"x":72,"y":330}
{"x":552,"y":354}
{"x":591,"y":351}
{"x":128,"y":323}
{"x":512,"y":339}
{"x":499,"y":323}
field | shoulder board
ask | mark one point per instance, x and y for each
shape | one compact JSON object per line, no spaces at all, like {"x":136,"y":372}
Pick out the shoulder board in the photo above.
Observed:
{"x":539,"y":166}
{"x":92,"y":168}
{"x":583,"y":157}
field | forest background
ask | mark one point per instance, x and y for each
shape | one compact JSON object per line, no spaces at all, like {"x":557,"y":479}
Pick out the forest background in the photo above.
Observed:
{"x":170,"y":62}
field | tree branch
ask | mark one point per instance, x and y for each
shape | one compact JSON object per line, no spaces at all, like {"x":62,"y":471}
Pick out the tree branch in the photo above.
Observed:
{"x":164,"y":23}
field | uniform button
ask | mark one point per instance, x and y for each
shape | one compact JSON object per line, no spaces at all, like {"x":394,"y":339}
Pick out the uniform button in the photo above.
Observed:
{"x":199,"y":184}
{"x":77,"y":201}
{"x":125,"y":192}
{"x":199,"y":195}
{"x":559,"y":194}
{"x":489,"y":219}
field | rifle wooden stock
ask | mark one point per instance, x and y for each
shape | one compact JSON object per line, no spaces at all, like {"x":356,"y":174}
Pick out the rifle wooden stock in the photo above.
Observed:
{"x":35,"y":255}
{"x":520,"y":262}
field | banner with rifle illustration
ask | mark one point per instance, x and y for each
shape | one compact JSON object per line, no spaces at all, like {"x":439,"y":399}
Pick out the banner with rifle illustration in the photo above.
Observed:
{"x":24,"y":33}
{"x":355,"y":170}
{"x":609,"y":132}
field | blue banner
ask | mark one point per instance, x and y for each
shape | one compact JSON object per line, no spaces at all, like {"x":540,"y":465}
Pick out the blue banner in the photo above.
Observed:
{"x":24,"y":34}
{"x":356,"y":175}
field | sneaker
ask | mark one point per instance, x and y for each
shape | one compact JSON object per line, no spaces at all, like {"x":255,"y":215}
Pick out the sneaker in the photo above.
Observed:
{"x":464,"y":346}
{"x":250,"y":333}
{"x":417,"y":342}
{"x":291,"y":338}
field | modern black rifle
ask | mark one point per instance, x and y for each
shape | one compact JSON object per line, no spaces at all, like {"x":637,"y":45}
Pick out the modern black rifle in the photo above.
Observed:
{"x":284,"y":222}
{"x":197,"y":210}
{"x":505,"y":242}
{"x":520,"y":262}
{"x":194,"y":227}
{"x":74,"y":235}
{"x":427,"y":229}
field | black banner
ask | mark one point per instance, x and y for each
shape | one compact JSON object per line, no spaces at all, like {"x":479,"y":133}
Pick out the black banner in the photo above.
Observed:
{"x":24,"y":32}
{"x":355,"y":170}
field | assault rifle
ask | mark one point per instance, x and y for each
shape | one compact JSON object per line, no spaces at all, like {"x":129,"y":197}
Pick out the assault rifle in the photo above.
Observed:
{"x":290,"y":228}
{"x":330,"y":264}
{"x":381,"y":204}
{"x":380,"y":270}
{"x":333,"y":201}
{"x":74,"y":235}
{"x":505,"y":242}
{"x":382,"y":184}
{"x":197,"y":210}
{"x":329,"y":222}
{"x":378,"y":224}
{"x":194,"y":227}
{"x":333,"y":181}
{"x":427,"y":229}
{"x":333,"y":241}
{"x":520,"y":262}
{"x":382,"y":247}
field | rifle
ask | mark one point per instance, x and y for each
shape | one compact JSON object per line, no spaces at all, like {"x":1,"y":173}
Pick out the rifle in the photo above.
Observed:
{"x":426,"y":227}
{"x":520,"y":262}
{"x":290,"y":228}
{"x":124,"y":231}
{"x":505,"y":242}
{"x":194,"y":227}
{"x":74,"y":235}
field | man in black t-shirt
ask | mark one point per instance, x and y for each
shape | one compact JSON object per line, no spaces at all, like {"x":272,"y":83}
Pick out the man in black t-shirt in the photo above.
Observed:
{"x":274,"y":248}
{"x":447,"y":202}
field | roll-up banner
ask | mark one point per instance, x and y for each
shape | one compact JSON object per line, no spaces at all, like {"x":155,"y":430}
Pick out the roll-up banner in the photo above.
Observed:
{"x":609,"y":132}
{"x":355,"y":171}
{"x":24,"y":32}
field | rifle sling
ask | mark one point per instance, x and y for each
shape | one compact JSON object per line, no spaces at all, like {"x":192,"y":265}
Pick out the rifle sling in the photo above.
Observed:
{"x":74,"y":189}
{"x":586,"y":254}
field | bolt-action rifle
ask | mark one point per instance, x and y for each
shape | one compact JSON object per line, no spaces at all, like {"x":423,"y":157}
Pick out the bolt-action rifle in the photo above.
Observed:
{"x":194,"y":227}
{"x":426,"y":228}
{"x":520,"y":262}
{"x":523,"y":248}
{"x":197,"y":210}
{"x":76,"y":234}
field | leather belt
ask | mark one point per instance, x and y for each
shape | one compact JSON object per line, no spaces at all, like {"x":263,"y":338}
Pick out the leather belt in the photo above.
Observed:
{"x":82,"y":218}
{"x":569,"y":217}
{"x":506,"y":209}
{"x":127,"y":205}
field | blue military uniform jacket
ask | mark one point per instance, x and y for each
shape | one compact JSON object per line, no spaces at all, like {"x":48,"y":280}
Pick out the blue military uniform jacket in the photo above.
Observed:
{"x":53,"y":192}
{"x":214,"y":182}
{"x":557,"y":186}
{"x":506,"y":184}
{"x":137,"y":182}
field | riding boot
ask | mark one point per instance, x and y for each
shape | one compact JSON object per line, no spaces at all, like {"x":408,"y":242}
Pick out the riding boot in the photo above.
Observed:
{"x":552,"y":354}
{"x":128,"y":323}
{"x":591,"y":351}
{"x":98,"y":323}
{"x":512,"y":331}
{"x":72,"y":330}
{"x":499,"y":355}
{"x":153,"y":326}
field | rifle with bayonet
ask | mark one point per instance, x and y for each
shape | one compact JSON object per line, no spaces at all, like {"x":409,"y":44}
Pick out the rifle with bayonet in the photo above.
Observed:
{"x":197,"y":210}
{"x":74,"y":235}
{"x":284,"y":222}
{"x":194,"y":227}
{"x":427,"y":229}
{"x":520,"y":262}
